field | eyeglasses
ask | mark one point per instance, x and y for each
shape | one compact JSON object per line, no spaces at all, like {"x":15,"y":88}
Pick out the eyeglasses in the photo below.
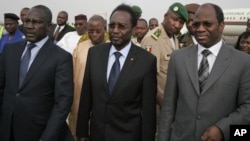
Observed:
{"x":118,"y":25}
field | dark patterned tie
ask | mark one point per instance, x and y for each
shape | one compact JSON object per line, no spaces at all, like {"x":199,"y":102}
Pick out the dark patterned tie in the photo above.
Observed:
{"x":204,"y":69}
{"x":56,"y":33}
{"x":114,"y":73}
{"x":25,"y":63}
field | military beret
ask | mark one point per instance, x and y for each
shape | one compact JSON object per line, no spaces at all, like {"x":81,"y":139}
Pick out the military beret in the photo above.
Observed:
{"x":11,"y":16}
{"x":81,"y":17}
{"x":179,"y":10}
{"x":137,"y":9}
{"x":192,"y":7}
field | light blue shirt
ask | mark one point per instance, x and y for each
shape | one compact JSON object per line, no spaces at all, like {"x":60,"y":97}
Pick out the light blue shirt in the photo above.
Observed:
{"x":35,"y":50}
{"x":122,"y":59}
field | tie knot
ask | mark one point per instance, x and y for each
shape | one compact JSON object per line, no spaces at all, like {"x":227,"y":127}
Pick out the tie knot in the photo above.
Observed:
{"x":117,"y":55}
{"x":31,"y":46}
{"x":206,"y":52}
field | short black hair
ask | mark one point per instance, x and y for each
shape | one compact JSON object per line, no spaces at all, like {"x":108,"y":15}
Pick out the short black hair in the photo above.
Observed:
{"x":128,"y":9}
{"x":47,"y":12}
{"x":219,"y":13}
{"x":143,"y":20}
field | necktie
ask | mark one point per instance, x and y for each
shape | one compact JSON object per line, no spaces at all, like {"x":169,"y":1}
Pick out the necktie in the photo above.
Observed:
{"x":56,"y":33}
{"x":25,"y":63}
{"x":204,"y":69}
{"x":115,"y":71}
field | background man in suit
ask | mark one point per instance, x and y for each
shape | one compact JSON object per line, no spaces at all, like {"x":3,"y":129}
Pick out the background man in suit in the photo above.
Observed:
{"x":193,"y":109}
{"x":126,"y":112}
{"x":58,"y":30}
{"x":37,"y":107}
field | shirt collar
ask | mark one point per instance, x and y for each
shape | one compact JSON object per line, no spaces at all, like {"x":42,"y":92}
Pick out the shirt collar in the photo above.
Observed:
{"x":40,"y":43}
{"x":123,"y":51}
{"x":213,"y":49}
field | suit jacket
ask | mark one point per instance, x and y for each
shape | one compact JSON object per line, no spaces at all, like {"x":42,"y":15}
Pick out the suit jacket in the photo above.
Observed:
{"x":162,"y":48}
{"x":225,"y":99}
{"x":39,"y":108}
{"x":128,"y":113}
{"x":65,"y":30}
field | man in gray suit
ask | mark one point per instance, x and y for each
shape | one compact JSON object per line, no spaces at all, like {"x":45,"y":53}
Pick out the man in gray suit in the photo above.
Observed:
{"x":193,"y":114}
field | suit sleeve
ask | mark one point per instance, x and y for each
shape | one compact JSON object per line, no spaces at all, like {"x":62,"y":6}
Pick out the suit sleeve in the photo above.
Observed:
{"x":82,"y":128}
{"x":242,"y":113}
{"x":149,"y":103}
{"x":169,"y":103}
{"x":63,"y":90}
{"x":2,"y":79}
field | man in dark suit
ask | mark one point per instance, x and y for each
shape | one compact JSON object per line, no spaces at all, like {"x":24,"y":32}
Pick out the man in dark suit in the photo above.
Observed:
{"x":36,"y":108}
{"x":127,"y":111}
{"x":61,"y":26}
{"x":199,"y":106}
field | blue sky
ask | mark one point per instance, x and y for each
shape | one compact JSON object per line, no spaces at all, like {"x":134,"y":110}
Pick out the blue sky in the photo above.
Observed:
{"x":150,"y":8}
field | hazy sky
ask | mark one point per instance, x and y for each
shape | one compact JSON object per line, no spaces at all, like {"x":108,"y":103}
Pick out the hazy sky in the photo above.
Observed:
{"x":150,"y":8}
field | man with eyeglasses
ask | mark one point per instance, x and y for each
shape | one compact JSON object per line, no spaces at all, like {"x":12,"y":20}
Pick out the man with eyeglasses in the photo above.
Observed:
{"x":119,"y":87}
{"x":71,"y":39}
{"x":96,"y":34}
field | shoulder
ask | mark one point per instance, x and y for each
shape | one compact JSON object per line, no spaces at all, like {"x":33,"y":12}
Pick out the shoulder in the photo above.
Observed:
{"x":70,"y":28}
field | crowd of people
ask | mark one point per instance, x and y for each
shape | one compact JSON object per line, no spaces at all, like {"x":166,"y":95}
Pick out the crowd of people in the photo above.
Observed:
{"x":126,"y":80}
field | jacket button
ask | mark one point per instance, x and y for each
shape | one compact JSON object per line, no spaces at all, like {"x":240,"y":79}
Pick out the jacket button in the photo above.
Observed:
{"x":17,"y":95}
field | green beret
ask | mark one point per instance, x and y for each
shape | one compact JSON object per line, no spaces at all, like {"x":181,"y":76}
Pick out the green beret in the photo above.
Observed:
{"x":137,"y":9}
{"x":179,"y":10}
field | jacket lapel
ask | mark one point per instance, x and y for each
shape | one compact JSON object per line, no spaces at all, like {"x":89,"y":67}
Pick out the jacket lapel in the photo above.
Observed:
{"x":128,"y":64}
{"x":220,"y":65}
{"x":17,"y":60}
{"x":191,"y":65}
{"x":39,"y":59}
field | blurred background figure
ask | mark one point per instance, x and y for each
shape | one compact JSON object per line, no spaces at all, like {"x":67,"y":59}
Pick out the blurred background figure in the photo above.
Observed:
{"x":188,"y":39}
{"x":141,"y":30}
{"x":243,"y":42}
{"x":96,"y":33}
{"x":61,"y":28}
{"x":11,"y":26}
{"x":153,"y":22}
{"x":137,"y":11}
{"x":23,"y":14}
{"x":248,"y":25}
{"x":70,"y":40}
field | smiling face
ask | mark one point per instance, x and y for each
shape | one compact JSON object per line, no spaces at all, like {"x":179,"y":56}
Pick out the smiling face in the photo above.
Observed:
{"x":36,"y":25}
{"x":207,"y":29}
{"x":120,"y":29}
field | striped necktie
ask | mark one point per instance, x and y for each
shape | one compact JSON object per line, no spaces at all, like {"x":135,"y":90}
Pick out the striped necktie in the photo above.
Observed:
{"x":204,"y":69}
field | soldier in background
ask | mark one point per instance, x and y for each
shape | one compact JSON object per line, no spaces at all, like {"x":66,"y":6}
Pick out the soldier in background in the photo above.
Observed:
{"x":141,"y":30}
{"x":152,"y":23}
{"x":187,"y":39}
{"x":162,"y":41}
